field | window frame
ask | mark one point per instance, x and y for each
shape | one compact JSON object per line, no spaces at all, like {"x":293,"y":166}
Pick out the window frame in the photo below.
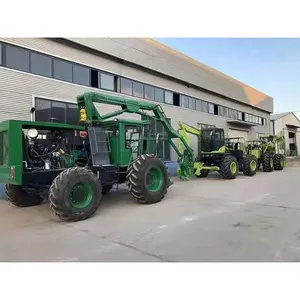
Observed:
{"x":124,"y":79}
{"x":74,"y":65}
{"x":65,"y":62}
{"x":4,"y":63}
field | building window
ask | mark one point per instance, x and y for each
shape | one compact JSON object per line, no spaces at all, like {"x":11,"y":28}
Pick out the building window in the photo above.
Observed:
{"x":240,"y":115}
{"x":126,"y":86}
{"x":234,"y":114}
{"x":138,"y":89}
{"x":62,"y":70}
{"x":159,"y":95}
{"x":223,"y":111}
{"x":58,"y":111}
{"x":211,"y":108}
{"x":192,"y":103}
{"x":0,"y":54}
{"x":42,"y":110}
{"x":198,"y":105}
{"x":61,"y":111}
{"x":40,"y":64}
{"x":184,"y":101}
{"x":149,"y":92}
{"x":168,"y":97}
{"x":72,"y":114}
{"x":204,"y":106}
{"x":17,"y":58}
{"x":81,"y":75}
{"x":107,"y":82}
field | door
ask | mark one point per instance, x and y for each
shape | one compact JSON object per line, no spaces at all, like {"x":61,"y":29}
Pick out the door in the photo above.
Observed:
{"x":234,"y":133}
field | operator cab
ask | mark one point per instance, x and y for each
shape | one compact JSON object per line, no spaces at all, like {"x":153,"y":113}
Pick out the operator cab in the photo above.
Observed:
{"x":118,"y":141}
{"x":212,"y":139}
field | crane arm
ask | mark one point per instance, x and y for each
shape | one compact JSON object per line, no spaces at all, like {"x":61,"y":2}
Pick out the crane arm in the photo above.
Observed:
{"x":189,"y":129}
{"x":90,"y":114}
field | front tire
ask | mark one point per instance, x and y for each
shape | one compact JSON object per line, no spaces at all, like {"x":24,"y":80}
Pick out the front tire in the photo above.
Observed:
{"x":75,"y":194}
{"x":250,"y":165}
{"x":278,"y":162}
{"x":147,"y":179}
{"x":229,"y":167}
{"x":268,"y":163}
{"x":18,"y":196}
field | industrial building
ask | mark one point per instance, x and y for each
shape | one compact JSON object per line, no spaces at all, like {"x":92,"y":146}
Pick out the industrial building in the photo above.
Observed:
{"x":288,"y":125}
{"x":47,"y":74}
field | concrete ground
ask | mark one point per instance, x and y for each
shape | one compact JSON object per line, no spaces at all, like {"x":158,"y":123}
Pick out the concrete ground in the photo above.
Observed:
{"x":204,"y":220}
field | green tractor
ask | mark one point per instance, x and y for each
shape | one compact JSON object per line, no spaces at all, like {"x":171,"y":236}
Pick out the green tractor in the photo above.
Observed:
{"x":74,"y":165}
{"x":215,"y":153}
{"x":269,"y":151}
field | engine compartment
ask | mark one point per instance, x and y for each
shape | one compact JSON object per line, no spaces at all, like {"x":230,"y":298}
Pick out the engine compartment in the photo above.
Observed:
{"x":54,"y":149}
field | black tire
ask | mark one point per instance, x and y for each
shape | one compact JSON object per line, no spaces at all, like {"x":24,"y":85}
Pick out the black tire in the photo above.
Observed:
{"x":278,"y":162}
{"x":203,"y":174}
{"x":106,"y":189}
{"x":225,"y":169}
{"x":136,"y":179}
{"x":18,"y":196}
{"x":60,"y":194}
{"x":268,"y":162}
{"x":250,"y":165}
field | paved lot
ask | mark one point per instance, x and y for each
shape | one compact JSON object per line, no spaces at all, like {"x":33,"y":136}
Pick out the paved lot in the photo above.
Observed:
{"x":209,"y":219}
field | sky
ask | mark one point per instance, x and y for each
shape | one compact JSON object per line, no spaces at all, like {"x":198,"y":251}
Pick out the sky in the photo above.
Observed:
{"x":270,"y":65}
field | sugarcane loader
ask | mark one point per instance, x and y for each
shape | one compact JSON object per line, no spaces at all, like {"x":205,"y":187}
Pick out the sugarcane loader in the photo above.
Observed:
{"x":269,"y":151}
{"x":215,"y":153}
{"x":74,"y":165}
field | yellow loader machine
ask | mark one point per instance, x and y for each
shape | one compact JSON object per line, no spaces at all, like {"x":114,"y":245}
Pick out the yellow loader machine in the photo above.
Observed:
{"x":215,"y":153}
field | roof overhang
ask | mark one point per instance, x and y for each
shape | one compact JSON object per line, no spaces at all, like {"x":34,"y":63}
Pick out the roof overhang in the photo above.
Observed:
{"x":292,"y":126}
{"x":239,"y":122}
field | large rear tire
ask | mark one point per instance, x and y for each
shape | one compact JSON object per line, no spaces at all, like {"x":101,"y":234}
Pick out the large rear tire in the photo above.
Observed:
{"x":147,"y":179}
{"x":229,"y":168}
{"x":268,"y":162}
{"x":278,"y":162}
{"x":250,"y":165}
{"x":18,"y":196}
{"x":75,"y":194}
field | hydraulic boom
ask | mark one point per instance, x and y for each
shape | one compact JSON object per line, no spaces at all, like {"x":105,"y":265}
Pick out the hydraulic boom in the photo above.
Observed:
{"x":90,"y":114}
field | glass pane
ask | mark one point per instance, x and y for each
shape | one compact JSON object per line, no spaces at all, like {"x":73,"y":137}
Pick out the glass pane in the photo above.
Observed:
{"x":40,"y":64}
{"x":58,"y":111}
{"x":126,"y":86}
{"x":192,"y":103}
{"x":184,"y":101}
{"x":168,"y":97}
{"x":17,"y":58}
{"x":138,"y":89}
{"x":62,"y":70}
{"x":159,"y":95}
{"x":240,"y":115}
{"x":0,"y":54}
{"x":210,"y":108}
{"x":72,"y":114}
{"x":149,"y":92}
{"x":198,"y":105}
{"x":234,"y":114}
{"x":42,"y":110}
{"x":81,"y":75}
{"x":204,"y":106}
{"x":107,"y":82}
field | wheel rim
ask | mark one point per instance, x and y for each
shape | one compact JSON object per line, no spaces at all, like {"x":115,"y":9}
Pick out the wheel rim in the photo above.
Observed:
{"x":233,"y":167}
{"x":253,"y":165}
{"x":281,"y":163}
{"x":154,"y":179}
{"x":81,"y":195}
